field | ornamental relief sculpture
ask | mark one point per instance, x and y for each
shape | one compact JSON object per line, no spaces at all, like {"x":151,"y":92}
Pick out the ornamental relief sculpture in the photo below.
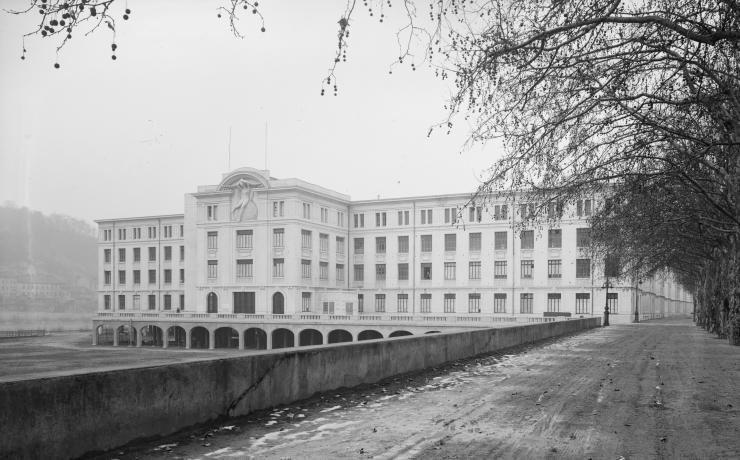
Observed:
{"x":243,"y":207}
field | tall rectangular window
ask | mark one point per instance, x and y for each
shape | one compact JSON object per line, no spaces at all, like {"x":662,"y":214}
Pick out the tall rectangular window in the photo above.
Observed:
{"x":212,"y":240}
{"x":305,"y":269}
{"x":152,"y":300}
{"x":474,"y":242}
{"x":106,"y":277}
{"x":107,"y":256}
{"x":583,"y":237}
{"x":554,"y":209}
{"x":244,"y":302}
{"x":106,"y":301}
{"x":526,"y":303}
{"x":360,"y":303}
{"x":278,"y":237}
{"x":167,"y":276}
{"x":137,"y":276}
{"x":167,"y":302}
{"x":306,"y":239}
{"x":449,"y":303}
{"x":137,"y":255}
{"x":403,"y":244}
{"x":527,"y":268}
{"x":553,"y":302}
{"x":121,"y":255}
{"x":527,"y":239}
{"x":323,"y":270}
{"x":306,"y":211}
{"x":474,"y":270}
{"x":426,"y":271}
{"x":403,"y":217}
{"x":107,"y":235}
{"x":379,"y":272}
{"x":426,"y":217}
{"x":152,"y":254}
{"x":583,"y":268}
{"x":168,"y":231}
{"x":122,"y":234}
{"x":499,"y":240}
{"x":450,"y":215}
{"x":359,"y":219}
{"x":182,"y":302}
{"x":151,"y":232}
{"x":340,"y":246}
{"x":323,"y":243}
{"x":583,"y":208}
{"x":340,"y":272}
{"x":380,"y":303}
{"x":244,"y":268}
{"x":278,"y":268}
{"x":325,"y":215}
{"x":379,"y":245}
{"x":612,"y":301}
{"x":474,"y":303}
{"x":359,"y":245}
{"x":182,"y":276}
{"x":450,"y":242}
{"x":136,"y":233}
{"x":136,"y":302}
{"x":212,"y":212}
{"x":402,"y":303}
{"x":501,"y":212}
{"x":168,"y":253}
{"x":305,"y":301}
{"x":450,"y":270}
{"x":328,"y":308}
{"x":425,"y":304}
{"x":121,"y":276}
{"x":121,"y":302}
{"x":182,"y":253}
{"x":499,"y":303}
{"x":244,"y":239}
{"x":359,"y":272}
{"x":403,"y":272}
{"x":182,"y":231}
{"x":152,"y":276}
{"x":426,"y":243}
{"x":499,"y":269}
{"x":212,"y":269}
{"x":340,"y":218}
{"x":555,"y":238}
{"x":554,"y":267}
{"x":380,"y":219}
{"x":582,"y":303}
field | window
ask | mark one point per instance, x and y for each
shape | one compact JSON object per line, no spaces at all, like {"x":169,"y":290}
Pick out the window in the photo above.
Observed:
{"x":278,"y":237}
{"x":182,"y":253}
{"x":380,"y":303}
{"x":137,"y":276}
{"x":212,"y":269}
{"x":450,"y":242}
{"x":426,"y":216}
{"x":212,"y":212}
{"x":380,"y":245}
{"x":168,"y":253}
{"x":526,"y":210}
{"x":305,"y":239}
{"x":306,"y":301}
{"x":525,"y":303}
{"x":182,"y":276}
{"x":137,"y":254}
{"x":449,"y":303}
{"x":106,"y":302}
{"x":359,"y":245}
{"x":152,"y":254}
{"x":305,"y":269}
{"x":278,"y":208}
{"x":450,"y":270}
{"x":182,"y":234}
{"x":152,"y":276}
{"x":555,"y":238}
{"x":324,"y":243}
{"x":324,"y":270}
{"x":499,"y":303}
{"x":340,"y":246}
{"x":167,"y":302}
{"x":151,"y":232}
{"x":340,"y":272}
{"x":403,"y":244}
{"x":106,"y":277}
{"x":244,"y":239}
{"x":582,"y":301}
{"x":278,"y":267}
{"x":168,"y":231}
{"x":359,"y":220}
{"x":527,"y":238}
{"x":583,"y":268}
{"x":501,"y":212}
{"x":499,"y":269}
{"x":121,"y":302}
{"x":402,"y":303}
{"x":340,"y":218}
{"x":152,"y":300}
{"x":121,"y":276}
{"x":136,"y":302}
{"x":450,"y":215}
{"x":244,"y":302}
{"x":499,"y":241}
{"x":583,"y":208}
{"x":306,"y":211}
{"x":360,"y":303}
{"x":553,"y":268}
{"x":583,"y":237}
{"x":359,"y":272}
{"x":403,"y":272}
{"x":136,"y":233}
{"x":403,"y":217}
{"x":426,"y":303}
{"x":554,"y":209}
{"x":167,"y":276}
{"x":527,"y":268}
{"x":426,"y":243}
{"x":328,"y":308}
{"x":324,"y":215}
{"x":475,"y":214}
{"x":182,"y":302}
{"x":612,"y":301}
{"x":244,"y":268}
{"x":474,"y":270}
{"x":107,"y":235}
{"x":121,"y":255}
{"x":553,"y":302}
{"x":426,"y":271}
{"x":106,"y":255}
{"x":122,"y":234}
{"x":474,"y":303}
{"x":474,"y":242}
{"x":380,"y":219}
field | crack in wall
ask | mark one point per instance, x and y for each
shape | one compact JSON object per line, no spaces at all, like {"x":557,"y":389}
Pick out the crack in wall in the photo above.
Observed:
{"x":235,"y":402}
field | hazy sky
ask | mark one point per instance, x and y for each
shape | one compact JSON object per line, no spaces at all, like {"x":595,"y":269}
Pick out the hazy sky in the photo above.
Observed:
{"x":101,"y":138}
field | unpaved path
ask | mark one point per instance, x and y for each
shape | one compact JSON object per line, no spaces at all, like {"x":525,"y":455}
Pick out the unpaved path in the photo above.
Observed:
{"x":662,"y":389}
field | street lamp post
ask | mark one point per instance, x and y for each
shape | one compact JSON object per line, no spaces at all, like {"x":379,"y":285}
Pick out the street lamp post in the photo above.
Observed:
{"x":606,"y":285}
{"x":637,"y":302}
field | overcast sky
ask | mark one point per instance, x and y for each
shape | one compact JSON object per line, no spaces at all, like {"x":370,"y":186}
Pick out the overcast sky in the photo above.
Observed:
{"x":101,"y":138}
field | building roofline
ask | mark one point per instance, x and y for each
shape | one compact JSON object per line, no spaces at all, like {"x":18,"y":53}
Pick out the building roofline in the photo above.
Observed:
{"x":118,"y":219}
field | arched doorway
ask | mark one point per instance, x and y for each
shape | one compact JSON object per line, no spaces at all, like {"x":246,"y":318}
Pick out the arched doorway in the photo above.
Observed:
{"x":212,"y":302}
{"x":282,"y":338}
{"x":278,"y":304}
{"x":199,"y":337}
{"x":339,"y":336}
{"x":255,"y":339}
{"x":104,"y":335}
{"x":176,"y":337}
{"x":310,"y":337}
{"x":226,"y":337}
{"x":151,"y":336}
{"x":126,"y":335}
{"x":399,"y":333}
{"x":369,"y":335}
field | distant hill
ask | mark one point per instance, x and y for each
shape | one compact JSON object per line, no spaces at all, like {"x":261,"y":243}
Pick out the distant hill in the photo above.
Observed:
{"x":38,"y":250}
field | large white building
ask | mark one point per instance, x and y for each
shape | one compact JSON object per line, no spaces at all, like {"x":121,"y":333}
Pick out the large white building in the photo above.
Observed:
{"x":254,"y":245}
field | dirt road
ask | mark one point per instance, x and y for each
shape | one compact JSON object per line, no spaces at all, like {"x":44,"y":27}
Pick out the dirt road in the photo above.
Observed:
{"x":662,"y":389}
